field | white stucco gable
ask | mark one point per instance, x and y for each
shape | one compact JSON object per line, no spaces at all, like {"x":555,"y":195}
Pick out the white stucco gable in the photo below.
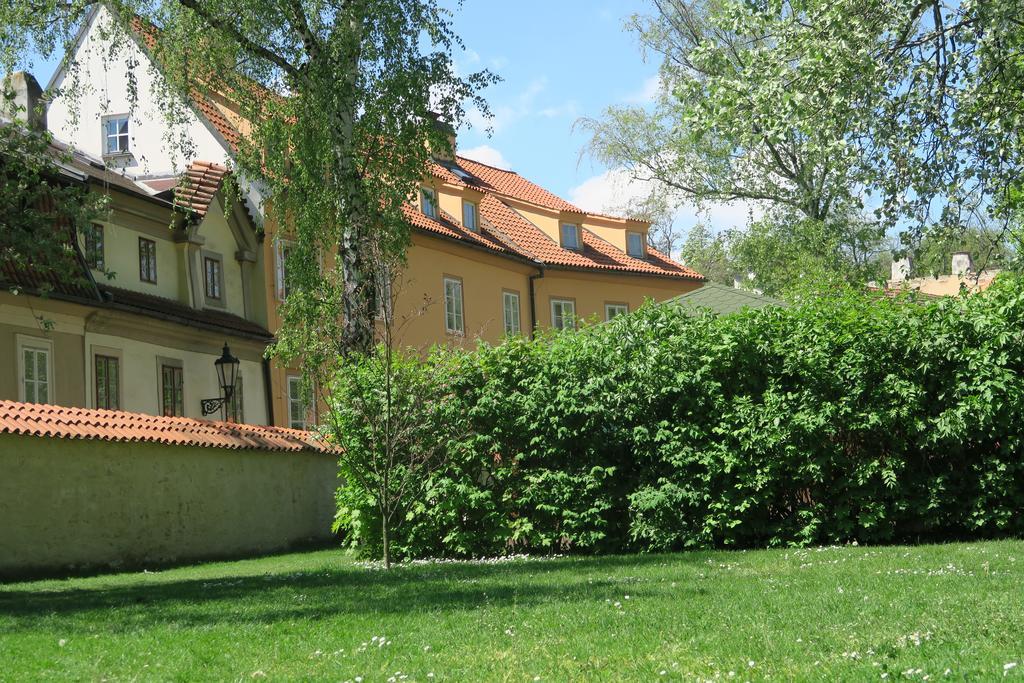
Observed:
{"x":97,"y":82}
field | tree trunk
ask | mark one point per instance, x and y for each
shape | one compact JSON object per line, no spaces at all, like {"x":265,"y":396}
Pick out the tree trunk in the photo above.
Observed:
{"x":387,"y":541}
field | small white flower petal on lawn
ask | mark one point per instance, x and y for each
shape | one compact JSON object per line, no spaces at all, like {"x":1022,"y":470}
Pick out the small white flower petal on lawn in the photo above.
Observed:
{"x":62,"y":642}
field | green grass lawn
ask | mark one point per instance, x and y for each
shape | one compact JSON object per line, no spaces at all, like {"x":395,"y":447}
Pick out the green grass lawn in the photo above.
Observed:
{"x":818,"y":614}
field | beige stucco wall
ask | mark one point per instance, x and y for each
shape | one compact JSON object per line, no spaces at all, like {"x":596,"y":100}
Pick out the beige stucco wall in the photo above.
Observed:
{"x":72,"y":504}
{"x":79,"y":332}
{"x":219,"y":240}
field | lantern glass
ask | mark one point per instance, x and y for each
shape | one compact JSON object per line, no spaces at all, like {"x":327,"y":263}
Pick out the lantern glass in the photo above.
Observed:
{"x":227,"y":371}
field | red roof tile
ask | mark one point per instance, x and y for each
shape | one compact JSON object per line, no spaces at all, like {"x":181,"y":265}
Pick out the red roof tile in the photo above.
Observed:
{"x":596,"y":254}
{"x":446,"y":225}
{"x":198,"y":186}
{"x":513,"y":185}
{"x":33,"y":419}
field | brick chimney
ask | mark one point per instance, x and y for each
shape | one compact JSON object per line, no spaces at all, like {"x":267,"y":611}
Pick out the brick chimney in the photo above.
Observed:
{"x":901,"y":270}
{"x":962,"y":264}
{"x":23,"y":100}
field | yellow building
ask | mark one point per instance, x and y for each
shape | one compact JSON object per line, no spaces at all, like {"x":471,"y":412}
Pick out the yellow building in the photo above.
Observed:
{"x":493,"y":254}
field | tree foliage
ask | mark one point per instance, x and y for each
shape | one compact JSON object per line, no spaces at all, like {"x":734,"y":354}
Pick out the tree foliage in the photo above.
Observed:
{"x":848,"y":416}
{"x":41,"y":212}
{"x":779,"y":252}
{"x":340,"y":100}
{"x":812,"y":106}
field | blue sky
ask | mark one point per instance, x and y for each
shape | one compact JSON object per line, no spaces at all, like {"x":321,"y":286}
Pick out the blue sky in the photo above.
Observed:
{"x":560,"y":60}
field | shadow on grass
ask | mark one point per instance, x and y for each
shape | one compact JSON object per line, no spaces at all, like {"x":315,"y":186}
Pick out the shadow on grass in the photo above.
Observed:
{"x":326,"y":593}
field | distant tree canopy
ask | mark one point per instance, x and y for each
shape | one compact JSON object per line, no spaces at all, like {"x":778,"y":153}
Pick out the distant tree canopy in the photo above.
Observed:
{"x":780,"y":252}
{"x":902,"y":113}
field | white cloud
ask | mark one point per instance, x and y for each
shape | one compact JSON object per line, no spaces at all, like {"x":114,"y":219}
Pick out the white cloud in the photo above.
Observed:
{"x":648,"y":91}
{"x":486,"y":154}
{"x":614,"y":191}
{"x":523,"y":105}
{"x":565,"y":109}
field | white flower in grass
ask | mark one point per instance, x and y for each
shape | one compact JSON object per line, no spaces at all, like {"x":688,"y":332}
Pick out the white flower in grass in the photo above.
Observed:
{"x":1009,"y":666}
{"x":62,"y":642}
{"x":751,"y":663}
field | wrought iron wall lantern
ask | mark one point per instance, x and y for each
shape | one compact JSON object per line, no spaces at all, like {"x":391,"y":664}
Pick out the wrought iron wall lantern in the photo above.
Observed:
{"x":227,"y":375}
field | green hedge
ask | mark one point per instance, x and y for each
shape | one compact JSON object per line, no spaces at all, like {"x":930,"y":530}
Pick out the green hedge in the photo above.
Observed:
{"x":846,"y":417}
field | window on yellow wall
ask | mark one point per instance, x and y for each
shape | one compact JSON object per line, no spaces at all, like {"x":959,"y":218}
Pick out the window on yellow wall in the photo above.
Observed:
{"x":281,"y":253}
{"x":635,"y":244}
{"x":469,"y":216}
{"x":510,"y":306}
{"x":454,"y":322}
{"x":614,"y":310}
{"x":563,"y":314}
{"x":300,"y":403}
{"x":570,"y":233}
{"x":428,"y":202}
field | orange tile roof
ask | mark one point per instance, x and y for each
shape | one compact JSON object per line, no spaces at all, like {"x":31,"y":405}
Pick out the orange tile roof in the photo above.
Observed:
{"x":447,"y":226}
{"x":198,"y":186}
{"x":596,"y":254}
{"x":513,"y":185}
{"x":33,"y":419}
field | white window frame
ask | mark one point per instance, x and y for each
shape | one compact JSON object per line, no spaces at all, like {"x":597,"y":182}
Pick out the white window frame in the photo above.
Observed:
{"x":294,"y":383}
{"x":24,"y":342}
{"x":110,"y":352}
{"x":562,"y":303}
{"x":280,"y":265}
{"x":513,"y":326}
{"x":474,"y":212}
{"x":221,"y":300}
{"x":147,"y":241}
{"x":106,"y":136}
{"x":578,"y":238}
{"x":179,"y":364}
{"x":642,"y":252}
{"x":621,"y":309}
{"x":454,"y":317}
{"x":428,"y":200}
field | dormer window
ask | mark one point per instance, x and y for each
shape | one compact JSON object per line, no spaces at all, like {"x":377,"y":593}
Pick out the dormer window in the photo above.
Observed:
{"x":115,"y":134}
{"x":470,"y":214}
{"x":635,"y":246}
{"x":570,"y":234}
{"x":428,"y":202}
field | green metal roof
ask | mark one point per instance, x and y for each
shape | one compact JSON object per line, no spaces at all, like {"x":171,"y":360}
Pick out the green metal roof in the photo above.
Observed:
{"x":724,"y":300}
